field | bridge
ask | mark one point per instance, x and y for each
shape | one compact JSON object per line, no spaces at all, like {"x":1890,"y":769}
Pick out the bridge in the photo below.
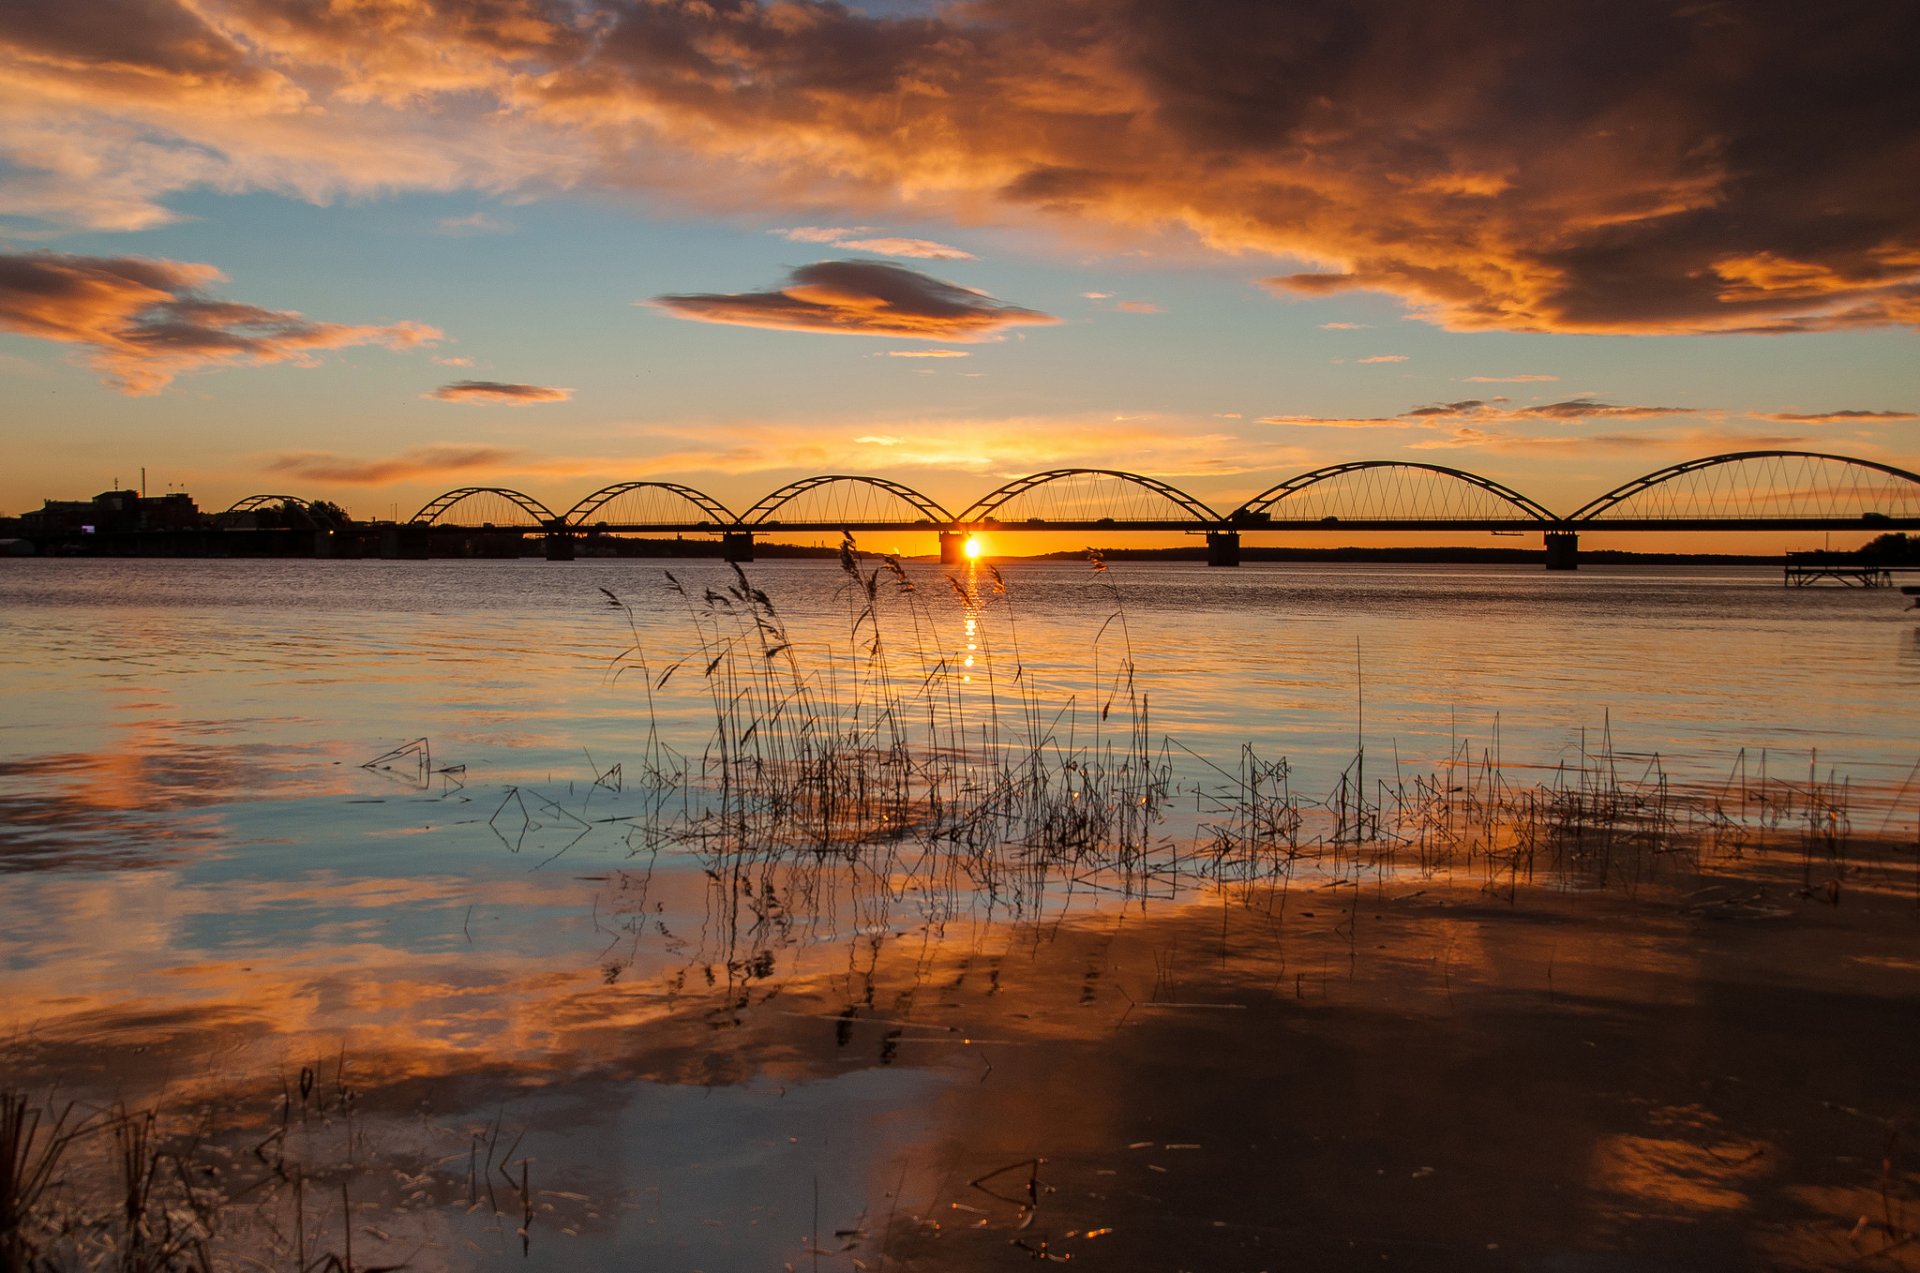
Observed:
{"x":1738,"y":491}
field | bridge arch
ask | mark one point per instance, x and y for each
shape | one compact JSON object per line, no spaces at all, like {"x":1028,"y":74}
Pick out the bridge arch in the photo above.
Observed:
{"x":1400,"y":491}
{"x":493,"y":500}
{"x":261,"y":503}
{"x":844,"y":500}
{"x":254,"y":503}
{"x":1099,"y":487}
{"x":1761,"y":485}
{"x":641,"y":504}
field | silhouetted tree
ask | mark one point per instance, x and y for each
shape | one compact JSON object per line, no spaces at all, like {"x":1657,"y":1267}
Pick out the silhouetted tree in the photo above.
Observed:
{"x":1894,"y":549}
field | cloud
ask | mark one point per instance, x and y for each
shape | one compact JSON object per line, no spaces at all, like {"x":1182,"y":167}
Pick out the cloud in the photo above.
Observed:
{"x":850,"y":237}
{"x":1588,"y":409}
{"x":928,"y":353}
{"x":1138,"y":307}
{"x":1345,"y":327}
{"x":495,"y":391}
{"x":925,"y":249}
{"x":450,"y":361}
{"x":1508,"y":380}
{"x":419,"y":462}
{"x":860,"y":298}
{"x":949,"y":453}
{"x":474,"y":223}
{"x":1341,"y":422}
{"x":148,"y":320}
{"x":1685,"y":443}
{"x":1836,"y":417}
{"x":1383,"y":358}
{"x":1468,"y":415}
{"x":1632,"y":166}
{"x":823,"y":233}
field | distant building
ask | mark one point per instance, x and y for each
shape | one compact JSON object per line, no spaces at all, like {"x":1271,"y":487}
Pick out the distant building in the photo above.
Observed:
{"x":113,"y":513}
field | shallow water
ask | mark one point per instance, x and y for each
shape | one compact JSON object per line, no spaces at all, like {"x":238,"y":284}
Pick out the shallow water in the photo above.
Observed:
{"x":206,"y":891}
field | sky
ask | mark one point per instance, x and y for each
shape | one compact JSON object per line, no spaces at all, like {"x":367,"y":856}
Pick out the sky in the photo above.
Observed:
{"x":370,"y":250}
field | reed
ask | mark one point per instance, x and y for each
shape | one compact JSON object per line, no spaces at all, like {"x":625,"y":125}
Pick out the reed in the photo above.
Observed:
{"x":897,"y":753}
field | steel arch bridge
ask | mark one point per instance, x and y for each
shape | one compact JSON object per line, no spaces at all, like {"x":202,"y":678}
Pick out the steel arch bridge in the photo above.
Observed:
{"x":260,"y":503}
{"x":253,"y":503}
{"x":845,"y":501}
{"x":1391,"y":494}
{"x":638,"y":506}
{"x":493,"y":498}
{"x":1758,"y":490}
{"x":1072,"y":499}
{"x":1737,"y":491}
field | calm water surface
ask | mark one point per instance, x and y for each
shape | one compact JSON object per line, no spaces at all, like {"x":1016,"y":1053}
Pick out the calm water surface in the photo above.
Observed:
{"x":199,"y":871}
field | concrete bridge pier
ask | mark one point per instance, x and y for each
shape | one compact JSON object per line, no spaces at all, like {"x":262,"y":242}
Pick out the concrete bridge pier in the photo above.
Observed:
{"x":1563,"y":550}
{"x":559,"y":546}
{"x":1223,"y":548}
{"x":406,"y":542}
{"x":736,"y":545}
{"x":953,"y":547}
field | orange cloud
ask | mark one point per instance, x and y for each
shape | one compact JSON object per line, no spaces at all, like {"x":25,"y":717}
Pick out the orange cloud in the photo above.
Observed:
{"x":1480,"y":411}
{"x":925,"y":249}
{"x":420,"y":462}
{"x":928,"y":353}
{"x":1836,"y":417}
{"x":885,"y":245}
{"x":860,"y":298}
{"x":512,"y":395}
{"x":1636,"y":167}
{"x":1689,"y":443}
{"x":147,"y":320}
{"x":1383,"y":358}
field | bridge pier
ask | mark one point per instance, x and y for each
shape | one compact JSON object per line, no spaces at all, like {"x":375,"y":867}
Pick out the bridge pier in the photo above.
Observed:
{"x":953,"y":547}
{"x":406,"y":542}
{"x":736,"y":546}
{"x":1223,"y":548}
{"x":559,"y":546}
{"x":1563,"y":550}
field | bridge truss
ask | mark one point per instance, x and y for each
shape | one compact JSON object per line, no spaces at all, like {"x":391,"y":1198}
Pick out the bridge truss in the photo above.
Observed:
{"x":1097,"y":497}
{"x":1392,"y":493}
{"x":842,"y":501}
{"x":667,"y":505}
{"x":489,"y":506}
{"x":1771,"y":489}
{"x":1743,"y":490}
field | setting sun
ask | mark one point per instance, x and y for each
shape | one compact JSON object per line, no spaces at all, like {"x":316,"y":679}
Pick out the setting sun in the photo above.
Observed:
{"x":974,"y":547}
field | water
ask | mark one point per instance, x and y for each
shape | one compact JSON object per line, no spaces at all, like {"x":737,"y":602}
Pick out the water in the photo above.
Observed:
{"x":206,"y":891}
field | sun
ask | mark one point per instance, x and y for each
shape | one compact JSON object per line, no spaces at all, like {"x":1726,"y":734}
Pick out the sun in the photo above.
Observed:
{"x":974,"y":547}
